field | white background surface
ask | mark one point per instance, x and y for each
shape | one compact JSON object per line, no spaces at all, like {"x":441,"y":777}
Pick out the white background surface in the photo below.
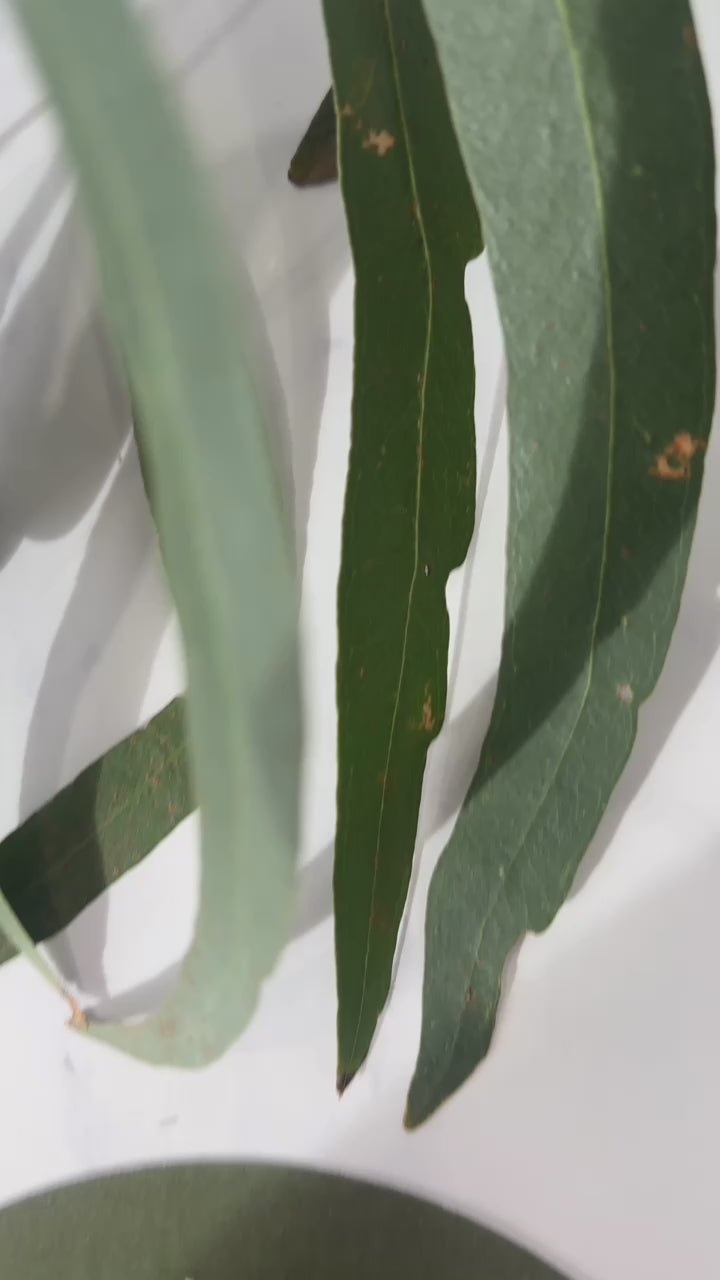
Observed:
{"x":592,"y":1131}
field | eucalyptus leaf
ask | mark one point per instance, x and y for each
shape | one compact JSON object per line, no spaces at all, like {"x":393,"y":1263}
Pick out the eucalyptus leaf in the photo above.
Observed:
{"x":586,"y":133}
{"x":179,"y":321}
{"x":98,"y":827}
{"x":410,"y":497}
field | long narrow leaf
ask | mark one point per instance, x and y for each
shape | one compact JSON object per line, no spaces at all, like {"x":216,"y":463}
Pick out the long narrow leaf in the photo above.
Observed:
{"x":170,"y":295}
{"x":586,"y":131}
{"x":98,"y":827}
{"x":410,"y":496}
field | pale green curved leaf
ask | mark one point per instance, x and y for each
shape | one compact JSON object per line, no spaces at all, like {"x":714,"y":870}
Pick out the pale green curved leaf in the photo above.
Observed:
{"x":170,"y":295}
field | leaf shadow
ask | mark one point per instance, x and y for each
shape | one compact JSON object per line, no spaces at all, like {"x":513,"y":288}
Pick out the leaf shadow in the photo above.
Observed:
{"x":120,"y":559}
{"x":139,"y":1000}
{"x":295,"y":283}
{"x":58,"y":439}
{"x":64,"y":421}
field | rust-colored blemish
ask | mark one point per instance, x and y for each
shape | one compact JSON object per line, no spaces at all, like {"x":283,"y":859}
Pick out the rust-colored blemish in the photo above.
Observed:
{"x":77,"y":1020}
{"x":380,"y":141}
{"x":625,"y":694}
{"x":625,"y":554}
{"x":171,"y":809}
{"x":674,"y":463}
{"x":428,"y":719}
{"x":347,"y":110}
{"x":689,"y":37}
{"x":380,"y":921}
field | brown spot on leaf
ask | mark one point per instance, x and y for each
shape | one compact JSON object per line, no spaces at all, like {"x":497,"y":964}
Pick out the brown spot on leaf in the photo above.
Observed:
{"x":77,"y":1020}
{"x":674,"y":463}
{"x":381,"y":922}
{"x":469,"y":996}
{"x":689,"y":37}
{"x":428,"y":719}
{"x":625,"y":554}
{"x":347,"y":110}
{"x":381,"y":142}
{"x":625,"y":694}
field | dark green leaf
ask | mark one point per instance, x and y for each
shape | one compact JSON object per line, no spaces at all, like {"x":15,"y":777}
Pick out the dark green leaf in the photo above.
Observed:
{"x":315,"y":160}
{"x":586,"y":131}
{"x":97,"y":828}
{"x":171,"y":296}
{"x":411,"y":486}
{"x":220,"y":1222}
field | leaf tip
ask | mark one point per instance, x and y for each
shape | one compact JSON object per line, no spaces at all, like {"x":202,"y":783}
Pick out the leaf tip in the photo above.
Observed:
{"x":410,"y":1121}
{"x":418,"y":1108}
{"x":343,"y":1079}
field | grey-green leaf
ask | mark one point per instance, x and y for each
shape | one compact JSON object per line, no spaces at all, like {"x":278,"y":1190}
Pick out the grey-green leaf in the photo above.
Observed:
{"x":179,"y":324}
{"x":99,"y":826}
{"x":586,"y":132}
{"x":410,"y":497}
